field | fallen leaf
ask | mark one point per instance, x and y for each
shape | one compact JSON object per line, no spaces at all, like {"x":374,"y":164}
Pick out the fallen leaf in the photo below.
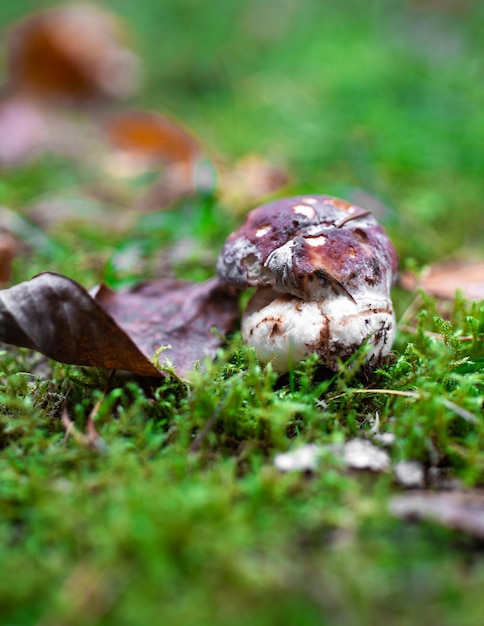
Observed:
{"x":23,"y":131}
{"x":56,"y":316}
{"x":442,"y":281}
{"x":76,"y":55}
{"x":462,"y":511}
{"x":178,"y":181}
{"x":29,"y":128}
{"x":8,"y":250}
{"x":249,"y":180}
{"x":141,"y":142}
{"x":173,"y":313}
{"x":72,"y":53}
{"x":149,"y":137}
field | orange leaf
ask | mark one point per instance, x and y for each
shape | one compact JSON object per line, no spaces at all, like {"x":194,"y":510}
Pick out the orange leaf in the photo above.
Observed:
{"x":151,"y":136}
{"x":442,"y":281}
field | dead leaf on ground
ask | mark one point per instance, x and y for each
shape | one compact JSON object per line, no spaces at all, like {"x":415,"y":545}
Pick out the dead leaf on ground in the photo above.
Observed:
{"x":149,"y":138}
{"x":249,"y":180}
{"x":72,"y":53}
{"x":8,"y":250}
{"x":23,"y":131}
{"x":463,"y":511}
{"x":29,"y":129}
{"x":173,"y":313}
{"x":56,"y":316}
{"x":141,"y":142}
{"x":442,"y":281}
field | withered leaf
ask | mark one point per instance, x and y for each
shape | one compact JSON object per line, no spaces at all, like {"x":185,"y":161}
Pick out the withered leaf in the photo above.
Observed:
{"x":462,"y":511}
{"x":58,"y":317}
{"x":145,"y":141}
{"x":23,"y":131}
{"x":8,"y":250}
{"x":150,"y":137}
{"x":173,"y":313}
{"x":73,"y":53}
{"x":244,"y":183}
{"x":442,"y":281}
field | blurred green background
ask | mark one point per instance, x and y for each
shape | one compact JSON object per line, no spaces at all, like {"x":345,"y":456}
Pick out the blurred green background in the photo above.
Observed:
{"x":382,"y":96}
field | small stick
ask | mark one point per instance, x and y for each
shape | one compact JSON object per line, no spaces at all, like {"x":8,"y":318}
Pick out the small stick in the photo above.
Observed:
{"x":91,"y":438}
{"x":452,"y":406}
{"x":94,"y":438}
{"x":71,"y":429}
{"x":412,"y":308}
{"x":348,"y":218}
{"x":428,"y":333}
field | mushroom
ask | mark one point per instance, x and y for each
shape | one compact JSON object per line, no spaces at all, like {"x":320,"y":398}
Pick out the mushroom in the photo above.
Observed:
{"x":323,"y":269}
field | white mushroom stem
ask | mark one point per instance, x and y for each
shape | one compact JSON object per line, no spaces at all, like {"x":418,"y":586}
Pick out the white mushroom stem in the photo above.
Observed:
{"x":284,"y":329}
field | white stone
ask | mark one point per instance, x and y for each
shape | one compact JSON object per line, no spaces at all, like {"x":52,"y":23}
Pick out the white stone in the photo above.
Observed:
{"x":304,"y":458}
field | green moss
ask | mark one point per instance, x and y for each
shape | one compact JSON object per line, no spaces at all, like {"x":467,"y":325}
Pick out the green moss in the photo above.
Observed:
{"x":182,"y":517}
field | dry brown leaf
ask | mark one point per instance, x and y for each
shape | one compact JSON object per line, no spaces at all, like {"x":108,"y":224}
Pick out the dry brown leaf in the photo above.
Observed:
{"x":56,"y":316}
{"x":150,"y":138}
{"x":9,"y":248}
{"x":74,"y":53}
{"x":250,"y":180}
{"x":442,"y":281}
{"x":174,"y":314}
{"x":143,"y":141}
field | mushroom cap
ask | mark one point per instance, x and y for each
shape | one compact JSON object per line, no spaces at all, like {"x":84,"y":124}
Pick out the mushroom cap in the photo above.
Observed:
{"x":311,"y":247}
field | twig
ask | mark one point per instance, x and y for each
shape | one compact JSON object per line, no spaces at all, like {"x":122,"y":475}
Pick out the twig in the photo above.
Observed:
{"x":203,"y":434}
{"x":455,"y":408}
{"x":428,"y":333}
{"x":94,"y":438}
{"x":463,"y":413}
{"x":207,"y":427}
{"x":71,"y":429}
{"x":389,"y":392}
{"x":348,"y":218}
{"x":91,"y":438}
{"x":412,"y":308}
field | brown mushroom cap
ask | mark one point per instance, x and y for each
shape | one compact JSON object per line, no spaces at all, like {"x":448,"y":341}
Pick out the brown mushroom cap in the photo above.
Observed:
{"x":311,"y":247}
